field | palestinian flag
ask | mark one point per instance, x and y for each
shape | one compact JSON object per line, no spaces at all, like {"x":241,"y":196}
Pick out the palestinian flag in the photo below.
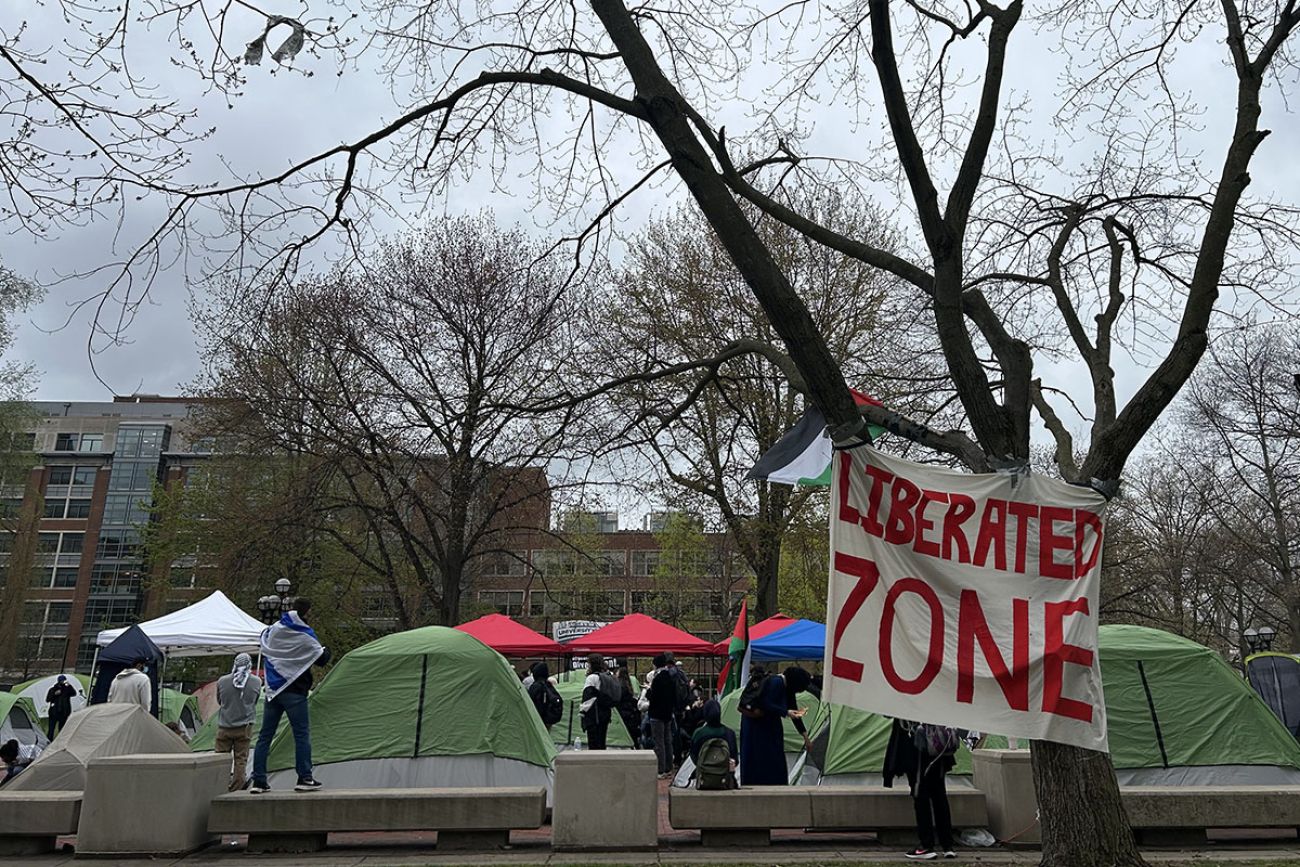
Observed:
{"x":736,"y":670}
{"x":803,"y":456}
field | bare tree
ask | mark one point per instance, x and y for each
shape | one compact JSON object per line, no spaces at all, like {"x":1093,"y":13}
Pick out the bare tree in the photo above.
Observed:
{"x":1243,"y":423}
{"x":1133,"y":233}
{"x":679,"y":299}
{"x":391,"y":382}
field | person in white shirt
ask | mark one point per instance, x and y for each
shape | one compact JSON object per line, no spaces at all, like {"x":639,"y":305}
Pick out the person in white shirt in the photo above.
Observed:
{"x":132,"y":686}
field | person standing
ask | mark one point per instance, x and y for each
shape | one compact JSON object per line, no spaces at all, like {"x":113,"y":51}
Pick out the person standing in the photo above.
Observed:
{"x":599,"y":697}
{"x":237,"y":695}
{"x":289,"y":649}
{"x":546,"y":698}
{"x":627,"y":704}
{"x":909,"y":754}
{"x":132,"y":686}
{"x":762,"y":733}
{"x":662,"y":708}
{"x":59,"y":697}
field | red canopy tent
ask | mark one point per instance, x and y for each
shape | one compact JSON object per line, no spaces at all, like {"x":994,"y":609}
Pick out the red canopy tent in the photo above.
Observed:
{"x":639,"y":635}
{"x":509,"y":638}
{"x":762,"y":628}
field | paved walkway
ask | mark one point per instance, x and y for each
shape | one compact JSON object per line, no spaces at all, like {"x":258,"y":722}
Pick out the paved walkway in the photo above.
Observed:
{"x":348,"y":854}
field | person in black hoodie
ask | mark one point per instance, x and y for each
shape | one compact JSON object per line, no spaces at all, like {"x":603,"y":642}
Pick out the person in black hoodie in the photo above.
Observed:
{"x":925,"y":776}
{"x":662,"y":697}
{"x":627,"y":709}
{"x":546,"y":698}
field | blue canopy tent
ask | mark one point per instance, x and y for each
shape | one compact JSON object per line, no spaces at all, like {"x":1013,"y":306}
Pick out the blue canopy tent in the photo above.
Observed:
{"x":803,"y":639}
{"x":122,"y":653}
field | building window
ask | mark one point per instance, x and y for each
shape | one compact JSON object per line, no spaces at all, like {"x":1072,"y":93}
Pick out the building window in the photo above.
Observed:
{"x":508,"y":602}
{"x":73,"y":475}
{"x":66,"y":576}
{"x":645,"y":563}
{"x":124,"y":509}
{"x":612,"y":564}
{"x":91,"y":442}
{"x":47,"y":543}
{"x":506,"y":564}
{"x":117,"y":545}
{"x":78,"y":509}
{"x":553,"y":563}
{"x":65,"y":442}
{"x":6,"y":543}
{"x":204,"y":446}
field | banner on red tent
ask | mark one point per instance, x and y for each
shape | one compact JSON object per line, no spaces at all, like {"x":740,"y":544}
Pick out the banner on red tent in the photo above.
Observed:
{"x":965,"y":600}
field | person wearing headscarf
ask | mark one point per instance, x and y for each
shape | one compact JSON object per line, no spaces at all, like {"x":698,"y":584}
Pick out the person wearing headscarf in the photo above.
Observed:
{"x":762,"y":733}
{"x":712,"y":727}
{"x":289,"y":650}
{"x":237,"y":695}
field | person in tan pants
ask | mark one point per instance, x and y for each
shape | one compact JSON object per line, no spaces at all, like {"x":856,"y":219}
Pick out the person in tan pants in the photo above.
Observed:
{"x":237,"y":695}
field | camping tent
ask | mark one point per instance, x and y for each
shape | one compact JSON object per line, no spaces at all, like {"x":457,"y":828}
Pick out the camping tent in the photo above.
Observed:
{"x":760,"y":629}
{"x":509,"y":638}
{"x":570,"y":727}
{"x":96,"y":732}
{"x":211,"y":626}
{"x":426,"y":707}
{"x":1276,"y":677}
{"x":802,"y":639}
{"x":1177,"y":715}
{"x":180,"y":708}
{"x":640,"y":635}
{"x":18,"y":720}
{"x":131,"y":645}
{"x":36,"y":690}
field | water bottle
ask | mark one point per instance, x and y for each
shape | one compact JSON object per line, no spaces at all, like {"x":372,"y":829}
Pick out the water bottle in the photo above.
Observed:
{"x":577,"y":742}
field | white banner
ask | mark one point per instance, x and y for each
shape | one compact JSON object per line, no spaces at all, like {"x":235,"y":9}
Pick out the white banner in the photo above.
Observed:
{"x":564,"y":631}
{"x":965,"y":600}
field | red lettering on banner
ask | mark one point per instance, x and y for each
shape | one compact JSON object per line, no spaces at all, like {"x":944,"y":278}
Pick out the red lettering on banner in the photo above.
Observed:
{"x":934,"y":660}
{"x":1022,"y":512}
{"x":867,"y":574}
{"x":1084,"y":519}
{"x":1049,"y":542}
{"x":903,"y":497}
{"x":1056,"y":653}
{"x":922,"y":544}
{"x":848,"y":514}
{"x":972,"y":627}
{"x":960,"y":507}
{"x":993,"y":533}
{"x":871,"y":520}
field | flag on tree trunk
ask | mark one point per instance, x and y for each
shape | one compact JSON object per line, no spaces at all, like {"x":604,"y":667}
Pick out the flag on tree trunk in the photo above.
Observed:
{"x":803,"y":456}
{"x":735,"y":672}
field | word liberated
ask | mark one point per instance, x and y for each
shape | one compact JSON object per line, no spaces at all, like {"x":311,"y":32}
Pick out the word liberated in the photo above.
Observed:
{"x":951,"y":526}
{"x":965,"y":600}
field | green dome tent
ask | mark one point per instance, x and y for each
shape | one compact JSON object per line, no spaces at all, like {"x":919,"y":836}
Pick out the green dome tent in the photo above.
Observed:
{"x":564,"y":731}
{"x":426,"y":707}
{"x":181,"y":708}
{"x":1177,"y":714}
{"x":18,"y":720}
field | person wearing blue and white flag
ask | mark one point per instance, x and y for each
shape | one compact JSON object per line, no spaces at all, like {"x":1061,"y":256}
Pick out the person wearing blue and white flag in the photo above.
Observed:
{"x":289,"y":650}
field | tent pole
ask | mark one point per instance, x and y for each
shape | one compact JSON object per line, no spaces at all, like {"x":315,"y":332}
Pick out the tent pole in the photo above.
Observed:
{"x":94,"y":663}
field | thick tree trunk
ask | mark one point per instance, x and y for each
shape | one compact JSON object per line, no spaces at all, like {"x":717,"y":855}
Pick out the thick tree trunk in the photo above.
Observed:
{"x":768,"y":578}
{"x":1293,"y":620}
{"x":1082,"y":819}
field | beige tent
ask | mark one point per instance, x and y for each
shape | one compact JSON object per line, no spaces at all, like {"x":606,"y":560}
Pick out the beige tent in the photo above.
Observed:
{"x":98,"y":731}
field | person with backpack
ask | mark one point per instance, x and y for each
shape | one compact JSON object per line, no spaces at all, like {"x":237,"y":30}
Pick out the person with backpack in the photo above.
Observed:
{"x":713,"y":750}
{"x":925,"y":754}
{"x":677,"y":736}
{"x":546,"y":698}
{"x":764,"y":703}
{"x":661,"y":705}
{"x":600,"y":694}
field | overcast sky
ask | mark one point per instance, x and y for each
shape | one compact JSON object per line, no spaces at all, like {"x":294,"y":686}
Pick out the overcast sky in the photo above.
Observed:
{"x":285,"y":116}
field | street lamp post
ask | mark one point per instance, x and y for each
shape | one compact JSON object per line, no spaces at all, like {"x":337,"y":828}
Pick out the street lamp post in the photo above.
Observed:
{"x":1259,"y":640}
{"x":272,"y":604}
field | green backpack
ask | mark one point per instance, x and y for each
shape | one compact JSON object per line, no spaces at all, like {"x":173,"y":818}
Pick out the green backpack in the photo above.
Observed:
{"x":713,"y":771}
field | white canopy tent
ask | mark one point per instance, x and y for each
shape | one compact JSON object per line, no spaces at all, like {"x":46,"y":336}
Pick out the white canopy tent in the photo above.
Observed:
{"x":210,"y":627}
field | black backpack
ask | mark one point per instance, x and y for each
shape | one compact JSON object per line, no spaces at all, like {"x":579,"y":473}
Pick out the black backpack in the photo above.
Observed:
{"x":750,"y":695}
{"x":549,"y":704}
{"x":683,"y":688}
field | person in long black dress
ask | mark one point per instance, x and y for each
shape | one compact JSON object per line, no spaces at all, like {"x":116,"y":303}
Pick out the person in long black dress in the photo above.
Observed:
{"x":925,"y":778}
{"x":762,"y":737}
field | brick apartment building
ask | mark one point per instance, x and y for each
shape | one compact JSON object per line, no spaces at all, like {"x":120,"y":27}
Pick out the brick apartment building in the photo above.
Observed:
{"x":73,"y":532}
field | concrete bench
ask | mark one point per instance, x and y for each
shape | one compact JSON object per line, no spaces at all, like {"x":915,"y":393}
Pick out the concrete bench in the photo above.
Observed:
{"x":1180,"y":815}
{"x":31,"y":821}
{"x":300,"y":821}
{"x":746,"y":817}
